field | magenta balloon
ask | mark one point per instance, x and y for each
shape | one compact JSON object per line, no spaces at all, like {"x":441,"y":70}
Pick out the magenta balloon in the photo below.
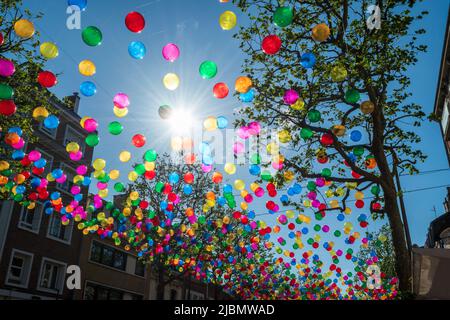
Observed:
{"x":121,"y":101}
{"x":171,"y":52}
{"x":7,"y":68}
{"x":290,"y":97}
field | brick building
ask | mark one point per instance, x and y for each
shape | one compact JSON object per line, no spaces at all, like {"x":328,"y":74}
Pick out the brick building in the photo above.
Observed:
{"x":35,"y":248}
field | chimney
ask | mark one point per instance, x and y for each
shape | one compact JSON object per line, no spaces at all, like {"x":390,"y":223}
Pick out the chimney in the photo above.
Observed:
{"x":72,"y":102}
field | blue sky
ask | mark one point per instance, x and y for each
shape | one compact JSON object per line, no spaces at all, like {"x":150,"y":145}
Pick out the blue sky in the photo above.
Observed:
{"x":193,"y":26}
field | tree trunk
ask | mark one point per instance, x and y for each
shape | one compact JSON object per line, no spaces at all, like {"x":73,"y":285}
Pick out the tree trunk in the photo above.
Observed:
{"x":403,"y":257}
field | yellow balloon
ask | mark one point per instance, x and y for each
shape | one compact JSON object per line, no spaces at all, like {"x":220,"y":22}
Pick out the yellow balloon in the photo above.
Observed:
{"x":210,"y":124}
{"x":228,"y":20}
{"x":284,"y":136}
{"x":273,"y":148}
{"x":239,"y":184}
{"x":87,"y":68}
{"x":321,"y":32}
{"x":103,"y":193}
{"x":298,"y":105}
{"x":120,"y":113}
{"x":339,"y":73}
{"x":125,"y":156}
{"x":134,"y":195}
{"x":73,"y":147}
{"x":24,"y":28}
{"x":49,"y":50}
{"x":230,"y":168}
{"x":149,"y":166}
{"x":4,"y":165}
{"x":132,"y":176}
{"x":40,"y":113}
{"x":99,"y":164}
{"x":171,"y":81}
{"x":114,"y":174}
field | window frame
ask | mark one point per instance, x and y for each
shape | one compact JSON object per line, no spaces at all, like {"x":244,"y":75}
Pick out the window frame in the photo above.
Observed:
{"x":68,"y":228}
{"x":96,"y":285}
{"x":101,"y":259}
{"x":23,"y":226}
{"x":29,"y":267}
{"x":61,"y":277}
{"x":51,"y":134}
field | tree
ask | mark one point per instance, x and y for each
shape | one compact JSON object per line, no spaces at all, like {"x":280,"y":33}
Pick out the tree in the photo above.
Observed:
{"x":28,"y":93}
{"x":344,"y":64}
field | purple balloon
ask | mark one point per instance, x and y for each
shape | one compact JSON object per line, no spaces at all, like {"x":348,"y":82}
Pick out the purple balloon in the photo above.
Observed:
{"x":290,"y":97}
{"x":7,"y":68}
{"x":171,"y":52}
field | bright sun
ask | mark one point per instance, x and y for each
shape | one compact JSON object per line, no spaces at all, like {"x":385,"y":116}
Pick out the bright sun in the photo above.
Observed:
{"x":181,"y":122}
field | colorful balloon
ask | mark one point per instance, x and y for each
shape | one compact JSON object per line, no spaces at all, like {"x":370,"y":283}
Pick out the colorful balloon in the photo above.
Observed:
{"x":47,"y":79}
{"x":271,"y":44}
{"x":283,"y":17}
{"x":321,"y":32}
{"x":135,"y":22}
{"x":208,"y":69}
{"x":138,"y":140}
{"x":243,"y":84}
{"x":6,"y":92}
{"x":88,"y":89}
{"x":221,"y":90}
{"x":171,"y":52}
{"x":92,"y":36}
{"x":137,"y":50}
{"x":24,"y":28}
{"x":165,"y":112}
{"x":87,"y":68}
{"x":228,"y":20}
{"x":171,"y":81}
{"x":49,"y":50}
{"x":7,"y":68}
{"x":82,"y":4}
{"x":7,"y":108}
{"x":121,"y":100}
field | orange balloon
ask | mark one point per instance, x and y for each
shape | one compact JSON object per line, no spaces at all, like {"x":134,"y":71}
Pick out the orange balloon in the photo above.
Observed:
{"x":243,"y":84}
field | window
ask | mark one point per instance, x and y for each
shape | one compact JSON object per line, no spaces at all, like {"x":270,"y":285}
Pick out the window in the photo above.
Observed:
{"x":51,"y":277}
{"x":94,"y":291}
{"x":57,"y":231}
{"x":139,"y":269}
{"x":49,"y":132}
{"x":67,"y":185}
{"x":19,"y":268}
{"x":195,"y":296}
{"x":49,"y":159}
{"x":30,"y":219}
{"x":108,"y":256}
{"x":73,"y":136}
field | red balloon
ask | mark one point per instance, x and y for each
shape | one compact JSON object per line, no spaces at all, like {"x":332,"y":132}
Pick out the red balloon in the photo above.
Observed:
{"x":47,"y":79}
{"x":271,"y":44}
{"x":221,"y":90}
{"x":2,"y":39}
{"x":326,"y":139}
{"x":7,"y":108}
{"x":135,"y":22}
{"x":188,"y":178}
{"x":138,"y":140}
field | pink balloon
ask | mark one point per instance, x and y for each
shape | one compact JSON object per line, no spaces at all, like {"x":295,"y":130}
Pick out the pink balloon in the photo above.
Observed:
{"x":171,"y":52}
{"x":34,"y":155}
{"x":81,"y":170}
{"x":7,"y":68}
{"x":290,"y":97}
{"x":90,"y":125}
{"x":76,"y":156}
{"x":121,"y":101}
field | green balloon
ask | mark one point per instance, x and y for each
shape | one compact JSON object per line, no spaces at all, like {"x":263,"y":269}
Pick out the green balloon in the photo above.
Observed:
{"x":314,"y":116}
{"x":255,"y":159}
{"x":140,"y":169}
{"x":92,"y":140}
{"x":358,"y":151}
{"x":6,"y":92}
{"x":150,"y":155}
{"x":283,"y":17}
{"x":352,"y":96}
{"x":159,"y":187}
{"x":306,"y":133}
{"x":311,"y":186}
{"x":92,"y":36}
{"x":208,"y":69}
{"x":115,"y":128}
{"x":375,"y":190}
{"x":266,"y":176}
{"x":326,"y":172}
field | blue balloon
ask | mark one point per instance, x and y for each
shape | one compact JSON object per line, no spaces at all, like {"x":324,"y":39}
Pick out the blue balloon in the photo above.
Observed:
{"x":222,"y":122}
{"x":51,"y":122}
{"x":20,"y":189}
{"x":355,"y":135}
{"x":297,"y":188}
{"x":308,"y":60}
{"x":17,"y":130}
{"x":255,"y":170}
{"x":55,"y":195}
{"x":82,"y":4}
{"x":248,"y":96}
{"x":187,"y":189}
{"x":284,"y":198}
{"x":174,"y":178}
{"x":41,"y":163}
{"x":35,"y":182}
{"x":88,"y":89}
{"x":18,"y":155}
{"x":137,"y":50}
{"x":227,"y":188}
{"x":57,"y":173}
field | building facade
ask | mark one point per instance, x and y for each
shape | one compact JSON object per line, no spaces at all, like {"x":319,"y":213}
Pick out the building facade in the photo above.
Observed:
{"x":36,"y":248}
{"x":442,"y":103}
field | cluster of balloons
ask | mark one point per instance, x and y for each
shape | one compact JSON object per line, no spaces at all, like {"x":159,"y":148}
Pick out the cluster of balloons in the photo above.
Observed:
{"x":238,"y":235}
